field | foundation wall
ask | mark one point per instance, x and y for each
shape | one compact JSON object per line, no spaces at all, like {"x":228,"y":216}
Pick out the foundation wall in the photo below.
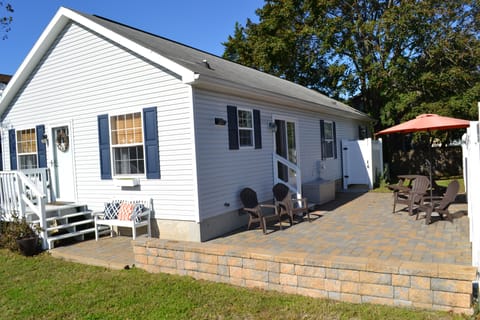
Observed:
{"x":432,"y":286}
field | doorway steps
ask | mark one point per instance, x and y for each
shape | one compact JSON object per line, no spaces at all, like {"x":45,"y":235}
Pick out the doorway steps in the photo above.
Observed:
{"x":67,"y":223}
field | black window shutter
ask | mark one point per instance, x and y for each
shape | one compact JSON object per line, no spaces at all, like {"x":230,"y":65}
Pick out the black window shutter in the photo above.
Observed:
{"x":334,"y":140}
{"x":12,"y":143}
{"x":41,"y":147}
{"x":150,"y":134}
{"x":1,"y":154}
{"x":104,"y":147}
{"x":232,"y":128}
{"x":322,"y":139}
{"x":257,"y":129}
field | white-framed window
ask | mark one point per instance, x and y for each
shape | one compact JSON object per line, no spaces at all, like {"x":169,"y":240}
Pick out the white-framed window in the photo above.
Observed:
{"x":328,"y":138}
{"x":27,"y":149}
{"x":126,"y":134}
{"x":245,"y":128}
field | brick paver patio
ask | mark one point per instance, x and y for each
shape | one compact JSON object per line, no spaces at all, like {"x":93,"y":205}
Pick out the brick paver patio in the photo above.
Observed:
{"x":362,"y":225}
{"x":355,"y":225}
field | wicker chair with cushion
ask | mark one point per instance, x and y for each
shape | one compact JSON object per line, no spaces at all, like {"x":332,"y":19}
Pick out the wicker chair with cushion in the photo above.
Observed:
{"x":440,"y":204}
{"x":256,"y":210}
{"x":288,"y":204}
{"x":412,"y":197}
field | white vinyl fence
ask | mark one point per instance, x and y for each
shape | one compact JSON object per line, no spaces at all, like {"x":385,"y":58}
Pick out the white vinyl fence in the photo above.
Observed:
{"x":362,"y":162}
{"x":471,"y":174}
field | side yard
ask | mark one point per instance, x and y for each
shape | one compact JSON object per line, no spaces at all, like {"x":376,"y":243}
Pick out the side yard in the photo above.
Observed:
{"x":43,"y":287}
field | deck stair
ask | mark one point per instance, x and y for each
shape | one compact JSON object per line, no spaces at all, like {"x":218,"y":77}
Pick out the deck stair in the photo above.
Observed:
{"x":67,"y":221}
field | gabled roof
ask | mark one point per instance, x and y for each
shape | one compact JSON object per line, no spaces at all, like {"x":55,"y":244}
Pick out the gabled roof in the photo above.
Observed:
{"x":196,"y":67}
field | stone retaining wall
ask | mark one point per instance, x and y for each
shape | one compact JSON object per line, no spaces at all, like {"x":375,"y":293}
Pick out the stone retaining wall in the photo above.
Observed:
{"x":433,"y":286}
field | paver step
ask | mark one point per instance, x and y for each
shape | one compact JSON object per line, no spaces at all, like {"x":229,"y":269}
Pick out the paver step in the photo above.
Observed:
{"x":68,"y":225}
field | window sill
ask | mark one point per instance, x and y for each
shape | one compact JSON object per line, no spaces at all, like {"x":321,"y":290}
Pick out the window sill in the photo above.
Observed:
{"x":126,"y":182}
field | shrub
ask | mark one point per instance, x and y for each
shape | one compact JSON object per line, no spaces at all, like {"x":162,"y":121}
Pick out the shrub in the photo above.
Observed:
{"x":17,"y":228}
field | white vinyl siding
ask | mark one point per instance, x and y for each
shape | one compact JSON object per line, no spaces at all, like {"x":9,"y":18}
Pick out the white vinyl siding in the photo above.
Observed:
{"x":84,"y":75}
{"x":223,"y":173}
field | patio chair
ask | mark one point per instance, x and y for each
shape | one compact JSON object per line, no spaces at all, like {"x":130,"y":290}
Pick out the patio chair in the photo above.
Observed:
{"x":440,"y":204}
{"x":288,"y":203}
{"x":412,"y":197}
{"x":255,"y":210}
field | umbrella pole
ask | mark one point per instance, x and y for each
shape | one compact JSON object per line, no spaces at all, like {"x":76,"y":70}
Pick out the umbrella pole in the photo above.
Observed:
{"x":429,"y":164}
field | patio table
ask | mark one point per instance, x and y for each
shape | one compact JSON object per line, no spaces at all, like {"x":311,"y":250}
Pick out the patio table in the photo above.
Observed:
{"x":398,"y":187}
{"x":401,"y":186}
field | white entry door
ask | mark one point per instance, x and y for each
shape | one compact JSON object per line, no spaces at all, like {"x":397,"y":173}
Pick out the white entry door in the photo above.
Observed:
{"x":62,"y":164}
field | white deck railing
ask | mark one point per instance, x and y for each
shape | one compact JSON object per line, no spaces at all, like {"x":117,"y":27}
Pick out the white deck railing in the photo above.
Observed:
{"x":41,"y":178}
{"x":293,"y":172}
{"x":21,"y":196}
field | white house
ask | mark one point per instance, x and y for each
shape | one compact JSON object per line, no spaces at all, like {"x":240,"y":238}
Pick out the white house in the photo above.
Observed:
{"x":102,"y":105}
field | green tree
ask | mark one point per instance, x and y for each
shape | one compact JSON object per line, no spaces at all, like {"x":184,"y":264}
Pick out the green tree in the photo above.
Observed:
{"x":389,"y":58}
{"x":444,"y":79}
{"x":283,"y":44}
{"x":5,"y":18}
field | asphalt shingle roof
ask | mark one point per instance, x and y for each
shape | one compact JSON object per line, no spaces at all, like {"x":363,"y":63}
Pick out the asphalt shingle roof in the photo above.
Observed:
{"x":223,"y":70}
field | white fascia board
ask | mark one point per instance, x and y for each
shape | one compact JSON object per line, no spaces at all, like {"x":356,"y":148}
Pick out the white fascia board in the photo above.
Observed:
{"x":56,"y":25}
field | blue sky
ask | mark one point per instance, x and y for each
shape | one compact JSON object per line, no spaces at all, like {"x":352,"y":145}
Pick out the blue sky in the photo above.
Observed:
{"x":200,"y":24}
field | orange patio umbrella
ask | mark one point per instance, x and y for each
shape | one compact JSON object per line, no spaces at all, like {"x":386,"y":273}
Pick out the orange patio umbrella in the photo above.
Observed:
{"x":427,"y":122}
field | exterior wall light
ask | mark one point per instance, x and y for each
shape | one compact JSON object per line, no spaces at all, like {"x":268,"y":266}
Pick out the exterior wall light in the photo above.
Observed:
{"x":272,"y":126}
{"x":44,"y":139}
{"x":220,"y":122}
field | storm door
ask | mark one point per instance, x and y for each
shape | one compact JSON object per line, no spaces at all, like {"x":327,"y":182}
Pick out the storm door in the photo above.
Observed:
{"x":62,"y":164}
{"x":286,"y":148}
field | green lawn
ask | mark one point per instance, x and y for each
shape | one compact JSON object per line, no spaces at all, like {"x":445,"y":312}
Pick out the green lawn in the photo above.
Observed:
{"x":46,"y":288}
{"x":443,"y":182}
